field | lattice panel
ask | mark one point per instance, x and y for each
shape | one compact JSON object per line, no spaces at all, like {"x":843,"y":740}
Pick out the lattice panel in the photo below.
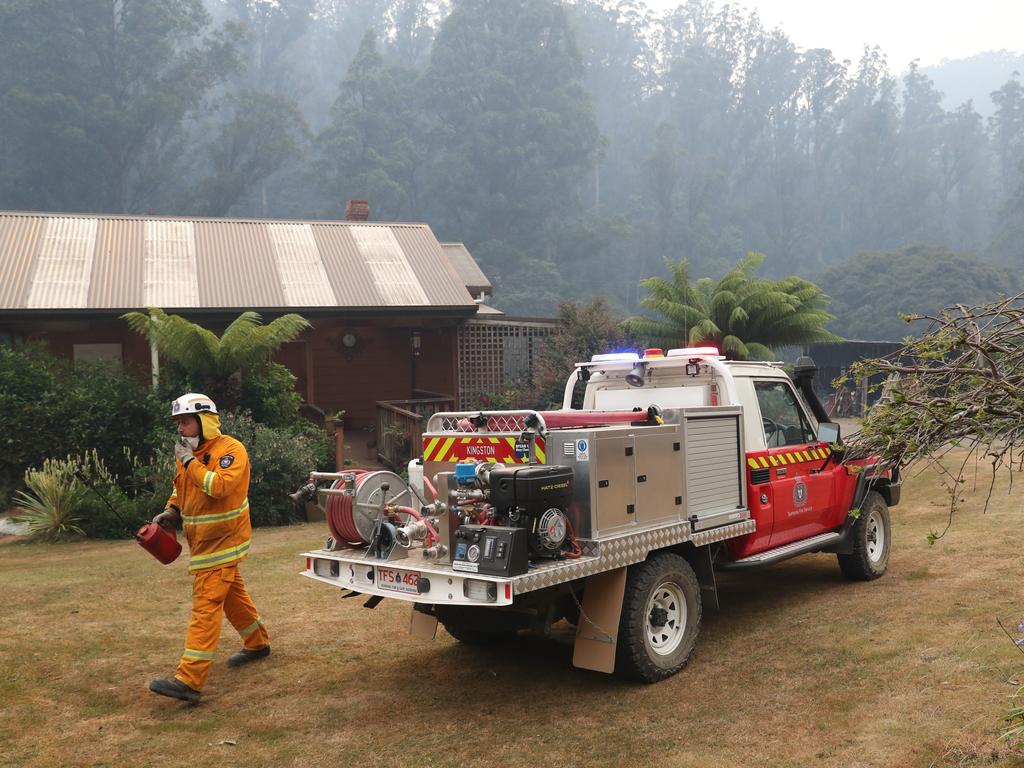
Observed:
{"x":495,"y":356}
{"x":496,"y":422}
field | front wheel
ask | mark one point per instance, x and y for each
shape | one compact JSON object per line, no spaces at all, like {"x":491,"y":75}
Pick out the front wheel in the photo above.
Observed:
{"x":661,"y":612}
{"x":872,"y":535}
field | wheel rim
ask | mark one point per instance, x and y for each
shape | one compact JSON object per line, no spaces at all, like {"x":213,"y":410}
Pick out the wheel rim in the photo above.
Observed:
{"x":665,"y":618}
{"x":875,"y":537}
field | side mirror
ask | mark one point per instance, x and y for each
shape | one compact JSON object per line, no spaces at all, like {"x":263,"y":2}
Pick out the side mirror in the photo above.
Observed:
{"x":828,"y":431}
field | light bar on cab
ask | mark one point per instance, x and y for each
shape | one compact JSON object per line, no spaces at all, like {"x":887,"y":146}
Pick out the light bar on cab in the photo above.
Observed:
{"x":694,"y":352}
{"x":616,"y":357}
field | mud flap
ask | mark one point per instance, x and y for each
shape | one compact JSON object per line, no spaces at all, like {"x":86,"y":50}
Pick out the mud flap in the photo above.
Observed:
{"x":422,"y":624}
{"x":704,"y":566}
{"x":598,"y":627}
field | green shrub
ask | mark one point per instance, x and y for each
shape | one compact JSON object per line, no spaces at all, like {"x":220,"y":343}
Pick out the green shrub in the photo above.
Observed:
{"x":266,"y":391}
{"x":50,"y":504}
{"x":50,"y":406}
{"x":281,"y":459}
{"x":114,"y":509}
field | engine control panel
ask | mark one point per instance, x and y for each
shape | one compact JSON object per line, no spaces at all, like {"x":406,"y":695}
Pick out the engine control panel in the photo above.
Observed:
{"x":490,"y":549}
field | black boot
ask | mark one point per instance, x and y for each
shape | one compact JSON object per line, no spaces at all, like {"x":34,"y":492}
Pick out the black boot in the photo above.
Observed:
{"x":173,"y":687}
{"x":244,"y":656}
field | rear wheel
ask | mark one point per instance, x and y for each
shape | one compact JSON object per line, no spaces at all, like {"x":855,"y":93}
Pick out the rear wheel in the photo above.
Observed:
{"x":872,"y":536}
{"x":661,"y":613}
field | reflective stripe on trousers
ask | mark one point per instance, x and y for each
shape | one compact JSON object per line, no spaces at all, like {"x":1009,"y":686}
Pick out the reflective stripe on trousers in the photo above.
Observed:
{"x":216,"y":593}
{"x":220,"y":557}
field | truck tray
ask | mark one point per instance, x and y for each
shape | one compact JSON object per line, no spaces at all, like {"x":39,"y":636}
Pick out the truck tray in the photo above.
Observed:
{"x":436,"y":583}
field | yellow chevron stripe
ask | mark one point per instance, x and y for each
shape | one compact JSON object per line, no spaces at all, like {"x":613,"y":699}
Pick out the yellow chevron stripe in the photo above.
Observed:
{"x":446,"y":446}
{"x":431,"y":444}
{"x":773,"y":460}
{"x":493,"y":440}
{"x":509,"y":460}
{"x":764,"y":462}
{"x":752,"y":463}
{"x":828,"y":451}
{"x":492,"y":460}
{"x":465,"y":440}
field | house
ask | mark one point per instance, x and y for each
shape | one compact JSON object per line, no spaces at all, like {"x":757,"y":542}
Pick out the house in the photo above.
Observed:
{"x":386,"y":300}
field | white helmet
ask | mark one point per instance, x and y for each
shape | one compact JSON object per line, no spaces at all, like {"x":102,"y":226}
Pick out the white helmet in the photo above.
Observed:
{"x":192,"y":402}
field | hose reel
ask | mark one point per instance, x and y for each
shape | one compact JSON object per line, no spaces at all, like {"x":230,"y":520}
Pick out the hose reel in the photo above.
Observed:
{"x":353,"y":518}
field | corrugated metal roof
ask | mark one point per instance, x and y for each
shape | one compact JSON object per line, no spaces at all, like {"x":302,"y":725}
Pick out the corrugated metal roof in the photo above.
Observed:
{"x":299,"y":268}
{"x":170,"y":277}
{"x":392,"y":274}
{"x":70,"y":261}
{"x":63,"y":265}
{"x":469,"y":271}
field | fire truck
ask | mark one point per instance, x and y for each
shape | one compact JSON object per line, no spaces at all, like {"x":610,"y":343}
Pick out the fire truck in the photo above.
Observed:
{"x":614,"y":515}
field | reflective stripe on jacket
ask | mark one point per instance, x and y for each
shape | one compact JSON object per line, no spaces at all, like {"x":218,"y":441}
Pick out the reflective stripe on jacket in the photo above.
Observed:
{"x":212,"y":496}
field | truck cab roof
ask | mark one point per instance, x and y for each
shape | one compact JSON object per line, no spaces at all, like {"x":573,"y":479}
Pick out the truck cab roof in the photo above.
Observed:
{"x":681,"y":378}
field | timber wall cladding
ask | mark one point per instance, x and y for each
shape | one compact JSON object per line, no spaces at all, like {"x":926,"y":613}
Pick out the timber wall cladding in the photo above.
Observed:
{"x":496,"y":355}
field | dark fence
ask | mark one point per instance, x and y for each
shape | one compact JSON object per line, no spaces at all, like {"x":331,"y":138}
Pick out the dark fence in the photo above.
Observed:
{"x":400,"y":425}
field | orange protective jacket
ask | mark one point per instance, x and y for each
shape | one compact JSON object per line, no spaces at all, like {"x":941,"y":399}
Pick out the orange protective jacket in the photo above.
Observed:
{"x":211,"y":494}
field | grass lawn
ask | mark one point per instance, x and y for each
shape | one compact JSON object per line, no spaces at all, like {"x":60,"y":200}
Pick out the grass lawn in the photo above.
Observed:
{"x":799,"y":668}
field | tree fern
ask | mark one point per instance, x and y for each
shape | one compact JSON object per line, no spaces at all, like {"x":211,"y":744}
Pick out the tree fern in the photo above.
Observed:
{"x":744,"y":315}
{"x":245,"y":343}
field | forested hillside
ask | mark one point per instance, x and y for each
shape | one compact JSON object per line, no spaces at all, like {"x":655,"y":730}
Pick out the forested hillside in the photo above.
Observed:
{"x":573,"y":146}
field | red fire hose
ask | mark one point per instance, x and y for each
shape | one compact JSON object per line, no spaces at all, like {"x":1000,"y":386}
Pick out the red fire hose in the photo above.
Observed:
{"x":340,"y":511}
{"x":341,"y":514}
{"x":579,"y":419}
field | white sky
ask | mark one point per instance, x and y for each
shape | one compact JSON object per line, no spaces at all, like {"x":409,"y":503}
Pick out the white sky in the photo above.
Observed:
{"x":904,"y":29}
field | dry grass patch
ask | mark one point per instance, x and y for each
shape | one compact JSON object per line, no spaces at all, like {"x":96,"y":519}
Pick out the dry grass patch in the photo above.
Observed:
{"x":800,"y":668}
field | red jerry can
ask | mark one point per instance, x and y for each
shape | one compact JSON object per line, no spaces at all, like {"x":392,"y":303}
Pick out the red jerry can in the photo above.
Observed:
{"x":159,"y":542}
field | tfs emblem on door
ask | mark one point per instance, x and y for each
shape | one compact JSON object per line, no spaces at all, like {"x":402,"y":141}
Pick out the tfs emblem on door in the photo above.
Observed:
{"x":799,"y":494}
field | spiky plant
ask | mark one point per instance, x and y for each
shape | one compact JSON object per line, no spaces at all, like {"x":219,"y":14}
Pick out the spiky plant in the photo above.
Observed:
{"x":49,"y":504}
{"x":745,"y":316}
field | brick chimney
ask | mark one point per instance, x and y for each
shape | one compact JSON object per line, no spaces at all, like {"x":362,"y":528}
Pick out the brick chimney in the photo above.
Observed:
{"x":357,"y":210}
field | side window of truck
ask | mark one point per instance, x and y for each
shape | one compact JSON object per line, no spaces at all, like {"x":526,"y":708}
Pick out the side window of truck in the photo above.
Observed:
{"x":783,"y":421}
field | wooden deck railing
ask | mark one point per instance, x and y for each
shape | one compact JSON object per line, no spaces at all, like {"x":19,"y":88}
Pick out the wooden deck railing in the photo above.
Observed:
{"x":400,"y":425}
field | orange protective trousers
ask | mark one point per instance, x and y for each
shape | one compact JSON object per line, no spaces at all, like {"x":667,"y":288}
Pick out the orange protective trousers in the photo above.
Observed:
{"x":217,"y":592}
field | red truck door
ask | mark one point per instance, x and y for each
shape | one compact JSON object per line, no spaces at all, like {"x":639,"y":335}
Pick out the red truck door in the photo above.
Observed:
{"x":803,"y":488}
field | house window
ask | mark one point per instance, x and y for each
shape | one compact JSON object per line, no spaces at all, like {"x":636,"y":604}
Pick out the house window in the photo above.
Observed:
{"x":92,"y":353}
{"x":11,"y":340}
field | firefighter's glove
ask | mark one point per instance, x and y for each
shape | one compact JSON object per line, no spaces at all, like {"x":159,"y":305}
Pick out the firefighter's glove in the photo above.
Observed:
{"x":183,"y":453}
{"x":167,"y":518}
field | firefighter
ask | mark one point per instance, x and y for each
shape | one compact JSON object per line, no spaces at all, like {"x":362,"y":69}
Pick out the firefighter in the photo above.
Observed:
{"x":211,"y":485}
